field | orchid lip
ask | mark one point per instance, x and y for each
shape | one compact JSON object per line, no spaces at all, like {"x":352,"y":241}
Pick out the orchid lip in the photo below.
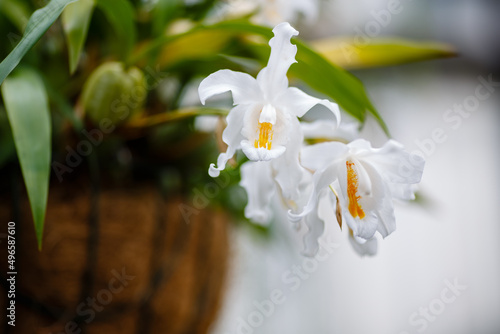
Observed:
{"x":352,"y":191}
{"x":265,"y":139}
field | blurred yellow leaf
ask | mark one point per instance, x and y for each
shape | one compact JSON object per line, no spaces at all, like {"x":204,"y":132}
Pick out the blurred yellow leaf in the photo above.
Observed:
{"x":194,"y":45}
{"x":345,"y":52}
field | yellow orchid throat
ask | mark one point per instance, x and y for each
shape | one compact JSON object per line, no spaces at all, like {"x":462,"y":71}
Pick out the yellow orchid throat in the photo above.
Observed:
{"x":352,"y":189}
{"x":265,"y":136}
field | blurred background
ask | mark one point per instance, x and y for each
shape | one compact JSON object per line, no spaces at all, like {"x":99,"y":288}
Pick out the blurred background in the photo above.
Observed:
{"x":139,"y":239}
{"x":449,"y":235}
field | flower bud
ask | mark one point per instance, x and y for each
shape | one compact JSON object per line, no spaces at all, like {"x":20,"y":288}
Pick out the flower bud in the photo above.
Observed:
{"x":113,"y":92}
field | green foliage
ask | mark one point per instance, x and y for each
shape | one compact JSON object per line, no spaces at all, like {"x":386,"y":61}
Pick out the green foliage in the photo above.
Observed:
{"x":379,"y":52}
{"x":28,"y":112}
{"x":37,"y":25}
{"x":76,"y":19}
{"x":120,"y":14}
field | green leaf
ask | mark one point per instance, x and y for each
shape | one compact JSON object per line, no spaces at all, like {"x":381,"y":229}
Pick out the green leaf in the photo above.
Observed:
{"x":76,"y":20}
{"x":37,"y":25}
{"x":120,"y":13}
{"x":28,"y":112}
{"x":343,"y":52}
{"x":331,"y":80}
{"x":194,"y":45}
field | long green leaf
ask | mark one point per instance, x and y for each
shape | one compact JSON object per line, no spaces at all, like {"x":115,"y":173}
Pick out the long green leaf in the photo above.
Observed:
{"x":344,"y":52}
{"x":120,"y":13}
{"x":37,"y":25}
{"x":28,"y":112}
{"x":76,"y":20}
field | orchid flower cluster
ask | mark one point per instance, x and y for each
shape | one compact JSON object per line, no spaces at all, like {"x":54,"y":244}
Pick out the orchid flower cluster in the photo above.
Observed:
{"x":357,"y":181}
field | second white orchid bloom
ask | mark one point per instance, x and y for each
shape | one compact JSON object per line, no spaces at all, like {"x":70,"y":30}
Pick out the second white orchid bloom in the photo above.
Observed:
{"x":367,"y":179}
{"x":265,"y":114}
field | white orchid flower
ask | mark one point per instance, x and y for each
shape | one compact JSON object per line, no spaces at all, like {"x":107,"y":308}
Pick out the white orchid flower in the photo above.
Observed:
{"x":264,"y":119}
{"x":368,"y":178}
{"x":261,"y":180}
{"x":283,"y":176}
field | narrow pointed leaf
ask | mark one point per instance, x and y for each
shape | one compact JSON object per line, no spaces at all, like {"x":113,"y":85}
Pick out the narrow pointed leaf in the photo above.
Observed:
{"x":343,"y":52}
{"x":37,"y":25}
{"x":28,"y":112}
{"x":76,"y":19}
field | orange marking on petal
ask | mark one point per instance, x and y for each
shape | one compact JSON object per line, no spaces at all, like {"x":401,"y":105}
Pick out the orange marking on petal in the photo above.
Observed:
{"x":352,"y":189}
{"x":265,"y":136}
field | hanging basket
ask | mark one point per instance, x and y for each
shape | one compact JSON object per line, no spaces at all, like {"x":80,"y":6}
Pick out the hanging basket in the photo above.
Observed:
{"x":129,"y":263}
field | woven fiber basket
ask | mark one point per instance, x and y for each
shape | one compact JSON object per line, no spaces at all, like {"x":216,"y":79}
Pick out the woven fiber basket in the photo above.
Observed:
{"x":128,"y":263}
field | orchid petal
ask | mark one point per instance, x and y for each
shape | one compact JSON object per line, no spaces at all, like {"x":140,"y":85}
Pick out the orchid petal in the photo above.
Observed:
{"x":261,"y":153}
{"x":250,"y":132}
{"x":272,"y":78}
{"x":268,"y":114}
{"x":397,"y":164}
{"x":321,"y":179}
{"x":298,"y":103}
{"x":402,"y":191}
{"x":318,"y":156}
{"x":367,"y":226}
{"x":315,"y":229}
{"x":365,"y":247}
{"x":256,"y":178}
{"x":231,"y":136}
{"x":242,"y":85}
{"x":289,"y":173}
{"x":384,"y":209}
